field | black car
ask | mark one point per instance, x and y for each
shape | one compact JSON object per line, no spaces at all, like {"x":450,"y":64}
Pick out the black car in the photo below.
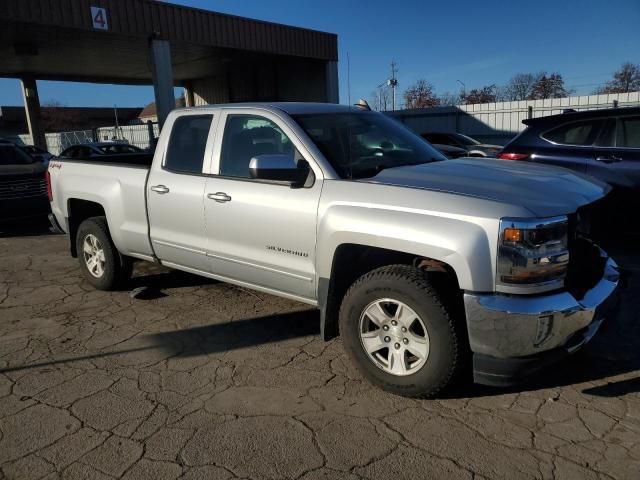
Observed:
{"x":602,"y":143}
{"x":99,"y":149}
{"x":471,"y":146}
{"x":23,"y":189}
{"x":449,"y":151}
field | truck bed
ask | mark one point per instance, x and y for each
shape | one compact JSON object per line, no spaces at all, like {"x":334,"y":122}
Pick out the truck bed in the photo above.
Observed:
{"x":123,"y":159}
{"x":117,"y":185}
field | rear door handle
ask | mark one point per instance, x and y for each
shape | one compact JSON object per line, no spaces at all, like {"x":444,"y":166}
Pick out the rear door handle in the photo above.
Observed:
{"x":220,"y":197}
{"x":161,"y":189}
{"x":609,"y":159}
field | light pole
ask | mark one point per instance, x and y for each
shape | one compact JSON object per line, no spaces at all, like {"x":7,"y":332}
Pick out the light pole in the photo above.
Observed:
{"x":464,"y":88}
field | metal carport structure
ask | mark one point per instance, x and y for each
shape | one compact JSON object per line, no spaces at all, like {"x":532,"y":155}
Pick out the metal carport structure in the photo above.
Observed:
{"x":215,"y":57}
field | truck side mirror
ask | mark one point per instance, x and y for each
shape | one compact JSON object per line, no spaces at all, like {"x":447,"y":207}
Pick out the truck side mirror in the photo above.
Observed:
{"x":279,"y":167}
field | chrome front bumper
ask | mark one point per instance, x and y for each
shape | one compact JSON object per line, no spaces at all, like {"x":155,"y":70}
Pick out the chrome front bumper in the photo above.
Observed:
{"x":508,"y":326}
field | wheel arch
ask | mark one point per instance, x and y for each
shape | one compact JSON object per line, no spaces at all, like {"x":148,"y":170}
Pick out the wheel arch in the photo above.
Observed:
{"x":352,"y":260}
{"x":78,"y":211}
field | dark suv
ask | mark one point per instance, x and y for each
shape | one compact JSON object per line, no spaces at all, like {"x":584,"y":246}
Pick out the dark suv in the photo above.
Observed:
{"x":602,"y":143}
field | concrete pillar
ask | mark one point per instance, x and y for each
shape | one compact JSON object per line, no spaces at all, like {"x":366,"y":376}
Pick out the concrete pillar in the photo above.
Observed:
{"x":32,"y":111}
{"x":162,"y":74}
{"x":331,"y":74}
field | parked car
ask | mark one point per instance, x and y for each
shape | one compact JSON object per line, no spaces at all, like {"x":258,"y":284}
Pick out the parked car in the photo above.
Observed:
{"x":37,"y":153}
{"x":412,"y":259}
{"x":449,"y":151}
{"x":23,"y":190}
{"x":602,"y":143}
{"x":471,"y":146}
{"x":98,"y":149}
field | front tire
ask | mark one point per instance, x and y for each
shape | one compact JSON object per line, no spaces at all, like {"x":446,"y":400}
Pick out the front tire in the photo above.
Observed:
{"x":398,"y":333}
{"x":101,"y":263}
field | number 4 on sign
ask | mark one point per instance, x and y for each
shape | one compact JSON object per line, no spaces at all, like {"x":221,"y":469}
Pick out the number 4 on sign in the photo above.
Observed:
{"x":99,"y":18}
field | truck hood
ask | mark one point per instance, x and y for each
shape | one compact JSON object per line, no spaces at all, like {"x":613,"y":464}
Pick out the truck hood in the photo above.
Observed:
{"x":543,"y":190}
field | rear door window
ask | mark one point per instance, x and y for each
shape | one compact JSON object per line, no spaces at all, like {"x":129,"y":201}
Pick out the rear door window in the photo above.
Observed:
{"x":187,"y":143}
{"x":575,"y":133}
{"x":628,"y":133}
{"x":607,"y":134}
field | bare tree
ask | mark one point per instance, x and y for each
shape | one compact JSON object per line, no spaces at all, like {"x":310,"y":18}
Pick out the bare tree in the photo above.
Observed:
{"x":380,"y":99}
{"x":520,"y":86}
{"x":420,"y":95}
{"x":449,"y":99}
{"x":627,"y":79}
{"x":57,"y":117}
{"x":549,"y":86}
{"x":480,"y":95}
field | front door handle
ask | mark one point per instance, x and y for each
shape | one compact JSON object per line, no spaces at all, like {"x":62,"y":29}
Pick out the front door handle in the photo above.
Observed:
{"x":161,"y":189}
{"x":609,"y":159}
{"x":220,"y":197}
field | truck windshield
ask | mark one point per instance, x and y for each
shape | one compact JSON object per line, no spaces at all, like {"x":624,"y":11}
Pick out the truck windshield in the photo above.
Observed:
{"x":361,"y":144}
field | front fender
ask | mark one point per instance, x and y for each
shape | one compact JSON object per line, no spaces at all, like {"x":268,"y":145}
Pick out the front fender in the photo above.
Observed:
{"x":462,"y":243}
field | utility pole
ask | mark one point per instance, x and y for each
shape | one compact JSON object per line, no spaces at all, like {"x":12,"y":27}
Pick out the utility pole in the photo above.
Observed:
{"x":115,"y":114}
{"x":464,"y":88}
{"x":393,"y":83}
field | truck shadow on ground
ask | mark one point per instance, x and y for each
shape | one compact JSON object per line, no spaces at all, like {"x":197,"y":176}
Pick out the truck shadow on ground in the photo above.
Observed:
{"x":151,"y":285}
{"x":614,"y":352}
{"x":208,"y":339}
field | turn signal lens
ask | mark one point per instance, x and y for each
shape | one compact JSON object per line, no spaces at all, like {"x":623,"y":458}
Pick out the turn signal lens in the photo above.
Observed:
{"x":512,"y":235}
{"x":512,"y":156}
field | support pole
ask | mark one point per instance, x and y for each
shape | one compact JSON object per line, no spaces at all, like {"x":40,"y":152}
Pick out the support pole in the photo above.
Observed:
{"x":150,"y":133}
{"x":331,"y":81}
{"x":32,"y":111}
{"x":162,"y":73}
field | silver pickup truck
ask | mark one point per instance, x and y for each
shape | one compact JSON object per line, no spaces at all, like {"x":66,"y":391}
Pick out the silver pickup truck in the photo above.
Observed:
{"x":426,"y":267}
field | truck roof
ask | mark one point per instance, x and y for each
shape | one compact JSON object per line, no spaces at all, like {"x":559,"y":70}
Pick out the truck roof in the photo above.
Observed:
{"x":292,"y":108}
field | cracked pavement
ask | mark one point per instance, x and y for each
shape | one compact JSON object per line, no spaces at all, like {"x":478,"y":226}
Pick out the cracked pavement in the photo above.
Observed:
{"x":197,"y":379}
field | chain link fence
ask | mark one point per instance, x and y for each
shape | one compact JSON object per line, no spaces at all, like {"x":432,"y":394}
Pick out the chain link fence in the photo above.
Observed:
{"x":141,"y":135}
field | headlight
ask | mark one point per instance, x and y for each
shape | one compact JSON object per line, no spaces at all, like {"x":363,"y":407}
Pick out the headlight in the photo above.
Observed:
{"x":532,"y":255}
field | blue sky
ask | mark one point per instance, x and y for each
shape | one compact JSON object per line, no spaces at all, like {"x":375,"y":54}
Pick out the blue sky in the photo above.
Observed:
{"x":476,"y":42}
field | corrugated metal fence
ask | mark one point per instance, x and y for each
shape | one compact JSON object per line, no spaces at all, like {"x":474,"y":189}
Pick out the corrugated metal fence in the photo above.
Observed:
{"x":501,"y":121}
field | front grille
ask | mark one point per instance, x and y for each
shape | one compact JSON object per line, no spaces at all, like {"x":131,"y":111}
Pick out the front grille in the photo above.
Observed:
{"x":586,"y":265}
{"x":23,"y":188}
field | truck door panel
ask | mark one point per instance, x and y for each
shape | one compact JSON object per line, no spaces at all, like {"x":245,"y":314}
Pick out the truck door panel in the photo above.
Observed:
{"x":259,"y":232}
{"x":175,"y":193}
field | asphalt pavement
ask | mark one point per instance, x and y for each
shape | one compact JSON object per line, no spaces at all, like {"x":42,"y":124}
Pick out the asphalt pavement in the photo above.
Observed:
{"x":198,"y":379}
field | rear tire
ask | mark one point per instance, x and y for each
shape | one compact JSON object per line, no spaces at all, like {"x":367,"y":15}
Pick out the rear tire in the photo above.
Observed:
{"x":415,"y":353}
{"x":101,"y":263}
